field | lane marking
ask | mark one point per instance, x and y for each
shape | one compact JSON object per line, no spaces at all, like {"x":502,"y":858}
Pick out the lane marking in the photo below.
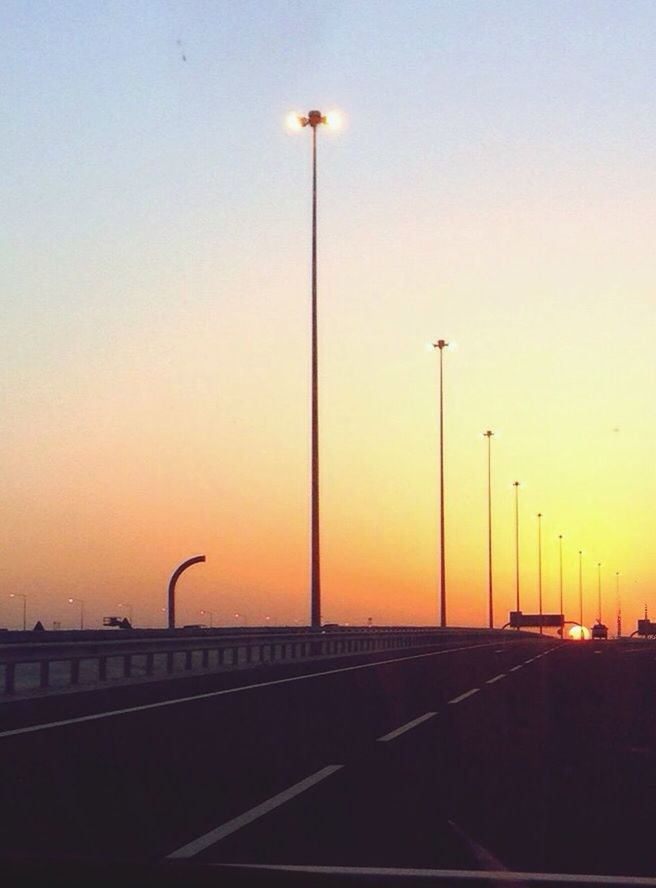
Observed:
{"x":516,"y":668}
{"x":46,"y":726}
{"x":453,"y":875}
{"x":498,"y":677}
{"x":407,"y":727}
{"x":465,"y":695}
{"x":231,"y":826}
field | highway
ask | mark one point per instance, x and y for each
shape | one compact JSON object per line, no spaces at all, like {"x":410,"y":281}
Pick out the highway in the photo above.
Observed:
{"x":530,"y":756}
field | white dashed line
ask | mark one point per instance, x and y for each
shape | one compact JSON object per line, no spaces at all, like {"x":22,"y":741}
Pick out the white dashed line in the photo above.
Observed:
{"x":215,"y":835}
{"x":498,"y":677}
{"x":465,"y":695}
{"x":516,"y":668}
{"x":407,"y":727}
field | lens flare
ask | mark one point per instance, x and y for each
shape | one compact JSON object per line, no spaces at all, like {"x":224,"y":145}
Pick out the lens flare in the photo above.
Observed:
{"x":335,"y":119}
{"x":293,"y":121}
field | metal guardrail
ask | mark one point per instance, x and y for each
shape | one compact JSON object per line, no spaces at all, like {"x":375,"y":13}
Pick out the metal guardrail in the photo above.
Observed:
{"x":42,"y":666}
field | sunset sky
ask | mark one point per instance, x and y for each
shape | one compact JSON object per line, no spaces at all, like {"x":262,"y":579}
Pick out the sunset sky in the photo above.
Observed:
{"x":494,"y":184}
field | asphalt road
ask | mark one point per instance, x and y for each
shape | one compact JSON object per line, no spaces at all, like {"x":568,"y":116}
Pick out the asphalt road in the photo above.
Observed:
{"x":532,"y":756}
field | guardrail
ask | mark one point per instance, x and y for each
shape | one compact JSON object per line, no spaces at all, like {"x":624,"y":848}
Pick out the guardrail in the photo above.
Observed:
{"x":43,"y":666}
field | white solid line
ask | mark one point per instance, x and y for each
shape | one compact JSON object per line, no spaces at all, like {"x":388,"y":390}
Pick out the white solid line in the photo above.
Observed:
{"x":516,"y":668}
{"x":215,"y":835}
{"x":407,"y":727}
{"x":14,"y":732}
{"x":465,"y":695}
{"x":498,"y":677}
{"x":455,"y":875}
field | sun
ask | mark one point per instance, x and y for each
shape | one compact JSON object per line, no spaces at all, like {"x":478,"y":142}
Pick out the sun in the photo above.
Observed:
{"x":579,"y":633}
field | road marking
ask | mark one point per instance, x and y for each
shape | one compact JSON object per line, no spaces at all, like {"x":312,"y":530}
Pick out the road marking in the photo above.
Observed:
{"x":498,"y":677}
{"x":453,"y":876}
{"x":15,"y":732}
{"x":237,"y":823}
{"x":515,"y":668}
{"x":465,"y":695}
{"x":407,"y":727}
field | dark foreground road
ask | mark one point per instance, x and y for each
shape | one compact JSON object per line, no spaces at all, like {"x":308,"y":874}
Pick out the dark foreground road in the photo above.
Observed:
{"x":531,"y":756}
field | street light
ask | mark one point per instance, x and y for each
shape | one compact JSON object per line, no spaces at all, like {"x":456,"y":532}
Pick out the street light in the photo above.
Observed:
{"x":540,"y":567}
{"x":560,"y":549}
{"x":441,"y":344}
{"x":489,"y":435}
{"x":619,"y":604}
{"x":581,"y":590}
{"x":81,"y":603}
{"x":599,"y":592}
{"x":24,"y":597}
{"x":297,"y":121}
{"x":211,"y":616}
{"x":516,"y":485}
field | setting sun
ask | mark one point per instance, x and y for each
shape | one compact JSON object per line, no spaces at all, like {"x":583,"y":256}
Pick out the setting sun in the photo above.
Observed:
{"x":579,"y":633}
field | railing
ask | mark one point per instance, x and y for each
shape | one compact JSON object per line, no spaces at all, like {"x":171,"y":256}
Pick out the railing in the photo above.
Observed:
{"x":44,"y":666}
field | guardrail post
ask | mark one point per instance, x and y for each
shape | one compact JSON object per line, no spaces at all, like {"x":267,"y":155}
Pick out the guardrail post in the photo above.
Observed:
{"x":149,"y":663}
{"x":188,"y":655}
{"x":127,"y":665}
{"x":206,"y":658}
{"x":169,"y":661}
{"x":75,"y":672}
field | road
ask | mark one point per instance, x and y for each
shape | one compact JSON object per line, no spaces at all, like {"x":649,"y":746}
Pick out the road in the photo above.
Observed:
{"x":530,"y":756}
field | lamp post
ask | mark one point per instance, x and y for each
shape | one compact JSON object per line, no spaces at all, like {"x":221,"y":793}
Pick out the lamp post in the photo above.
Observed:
{"x":24,"y":597}
{"x":489,"y":435}
{"x":81,"y":603}
{"x":599,"y":591}
{"x":441,"y":344}
{"x":560,"y":570}
{"x":581,"y":591}
{"x":619,"y":604}
{"x":314,"y":119}
{"x":540,"y":567}
{"x":210,"y":614}
{"x":516,"y":485}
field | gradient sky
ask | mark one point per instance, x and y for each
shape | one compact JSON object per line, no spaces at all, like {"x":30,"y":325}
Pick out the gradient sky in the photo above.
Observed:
{"x":494,"y":184}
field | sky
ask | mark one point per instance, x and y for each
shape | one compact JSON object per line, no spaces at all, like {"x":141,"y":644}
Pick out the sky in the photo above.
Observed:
{"x":493,"y":184}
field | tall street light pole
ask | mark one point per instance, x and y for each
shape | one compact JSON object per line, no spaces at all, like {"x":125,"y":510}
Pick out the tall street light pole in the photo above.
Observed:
{"x":560,"y":552}
{"x":516,"y":485}
{"x":24,"y":597}
{"x":489,"y":435}
{"x":441,"y":344}
{"x":314,"y":119}
{"x":599,"y":591}
{"x":540,"y":567}
{"x":619,"y":604}
{"x":581,"y":591}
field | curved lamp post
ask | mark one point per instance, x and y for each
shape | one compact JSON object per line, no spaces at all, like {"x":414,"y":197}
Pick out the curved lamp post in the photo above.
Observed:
{"x":196,"y":559}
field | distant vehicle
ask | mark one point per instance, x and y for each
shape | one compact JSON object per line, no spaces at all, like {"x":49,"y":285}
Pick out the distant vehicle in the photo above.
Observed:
{"x":599,"y":631}
{"x":330,"y":627}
